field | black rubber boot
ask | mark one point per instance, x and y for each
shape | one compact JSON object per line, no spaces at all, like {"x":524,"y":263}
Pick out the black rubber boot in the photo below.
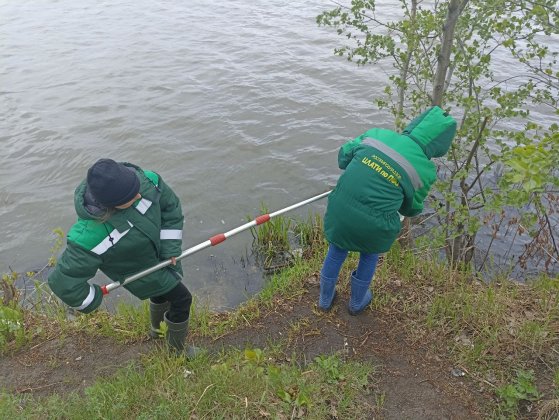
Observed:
{"x":176,"y":337}
{"x":156,"y":313}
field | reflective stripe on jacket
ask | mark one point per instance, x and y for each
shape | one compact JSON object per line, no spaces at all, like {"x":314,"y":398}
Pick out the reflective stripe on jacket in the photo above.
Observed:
{"x":385,"y":173}
{"x":129,"y":241}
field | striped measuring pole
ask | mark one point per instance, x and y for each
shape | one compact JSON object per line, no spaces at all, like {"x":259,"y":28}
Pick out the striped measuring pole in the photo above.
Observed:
{"x":213,"y":241}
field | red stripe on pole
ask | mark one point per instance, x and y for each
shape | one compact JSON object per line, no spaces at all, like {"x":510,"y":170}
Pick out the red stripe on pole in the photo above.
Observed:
{"x":262,"y":219}
{"x":217,"y":239}
{"x":214,"y":240}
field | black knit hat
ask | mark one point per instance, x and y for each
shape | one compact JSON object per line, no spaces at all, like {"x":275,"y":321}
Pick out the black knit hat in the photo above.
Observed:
{"x":111,"y":183}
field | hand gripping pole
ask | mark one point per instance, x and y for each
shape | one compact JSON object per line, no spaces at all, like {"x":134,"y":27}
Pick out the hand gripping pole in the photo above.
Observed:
{"x":214,"y":240}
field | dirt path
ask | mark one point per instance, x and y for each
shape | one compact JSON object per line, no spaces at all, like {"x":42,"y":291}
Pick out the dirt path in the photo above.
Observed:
{"x":62,"y":365}
{"x":416,"y":384}
{"x":413,"y":383}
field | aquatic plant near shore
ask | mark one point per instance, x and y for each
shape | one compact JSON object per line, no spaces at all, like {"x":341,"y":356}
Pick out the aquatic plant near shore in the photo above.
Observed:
{"x":271,"y":241}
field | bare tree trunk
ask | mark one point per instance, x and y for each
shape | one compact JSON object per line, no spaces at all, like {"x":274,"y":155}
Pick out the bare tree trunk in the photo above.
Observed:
{"x":411,"y":45}
{"x":405,"y":239}
{"x":455,"y":9}
{"x":461,"y":248}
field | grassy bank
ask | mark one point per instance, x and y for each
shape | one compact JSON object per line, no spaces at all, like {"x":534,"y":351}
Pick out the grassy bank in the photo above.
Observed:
{"x":481,"y":322}
{"x":252,"y":383}
{"x":502,"y":336}
{"x":236,"y":383}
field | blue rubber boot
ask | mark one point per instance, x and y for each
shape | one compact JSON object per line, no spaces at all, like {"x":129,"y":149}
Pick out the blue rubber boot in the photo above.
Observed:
{"x":327,"y":293}
{"x":361,"y":295}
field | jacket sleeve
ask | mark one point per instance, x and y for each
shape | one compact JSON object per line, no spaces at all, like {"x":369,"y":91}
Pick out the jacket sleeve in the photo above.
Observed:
{"x":345,"y":155}
{"x":69,"y":280}
{"x":413,"y":201}
{"x":172,"y":221}
{"x":413,"y":205}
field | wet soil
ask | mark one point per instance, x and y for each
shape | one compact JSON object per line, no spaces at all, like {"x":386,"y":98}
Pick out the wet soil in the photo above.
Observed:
{"x":62,"y":364}
{"x":412,"y":382}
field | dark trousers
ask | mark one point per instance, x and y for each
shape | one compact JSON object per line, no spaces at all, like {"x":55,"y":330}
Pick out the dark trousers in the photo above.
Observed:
{"x":180,"y":299}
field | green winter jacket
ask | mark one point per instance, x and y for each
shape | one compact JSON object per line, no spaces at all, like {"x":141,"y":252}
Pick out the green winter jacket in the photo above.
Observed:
{"x":131,"y":240}
{"x":385,"y":173}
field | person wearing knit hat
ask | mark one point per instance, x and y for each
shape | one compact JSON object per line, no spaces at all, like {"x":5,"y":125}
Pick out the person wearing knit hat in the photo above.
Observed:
{"x":129,"y":220}
{"x":112,"y":184}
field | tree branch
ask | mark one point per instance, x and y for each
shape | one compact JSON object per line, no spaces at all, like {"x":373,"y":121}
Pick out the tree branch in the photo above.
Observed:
{"x":455,"y":8}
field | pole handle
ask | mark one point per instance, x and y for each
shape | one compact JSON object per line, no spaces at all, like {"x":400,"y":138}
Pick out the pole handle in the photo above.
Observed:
{"x":214,"y":240}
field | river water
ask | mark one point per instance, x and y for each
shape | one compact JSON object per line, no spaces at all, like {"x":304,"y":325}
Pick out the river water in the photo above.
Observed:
{"x":235,"y":104}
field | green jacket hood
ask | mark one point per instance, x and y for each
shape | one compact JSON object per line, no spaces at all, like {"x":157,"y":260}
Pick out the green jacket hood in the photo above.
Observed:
{"x":86,"y":206}
{"x":433,"y":131}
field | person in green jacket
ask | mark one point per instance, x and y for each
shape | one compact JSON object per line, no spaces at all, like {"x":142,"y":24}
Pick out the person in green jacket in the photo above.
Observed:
{"x":128,"y":220}
{"x":387,"y":174}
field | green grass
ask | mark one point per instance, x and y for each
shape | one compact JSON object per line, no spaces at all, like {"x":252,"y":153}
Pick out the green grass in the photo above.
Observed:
{"x":236,"y":384}
{"x":128,"y":323}
{"x":489,"y":320}
{"x":22,"y":321}
{"x":271,"y":241}
{"x":502,"y":328}
{"x":286,"y":284}
{"x":310,"y":233}
{"x":507,"y":329}
{"x":522,"y":388}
